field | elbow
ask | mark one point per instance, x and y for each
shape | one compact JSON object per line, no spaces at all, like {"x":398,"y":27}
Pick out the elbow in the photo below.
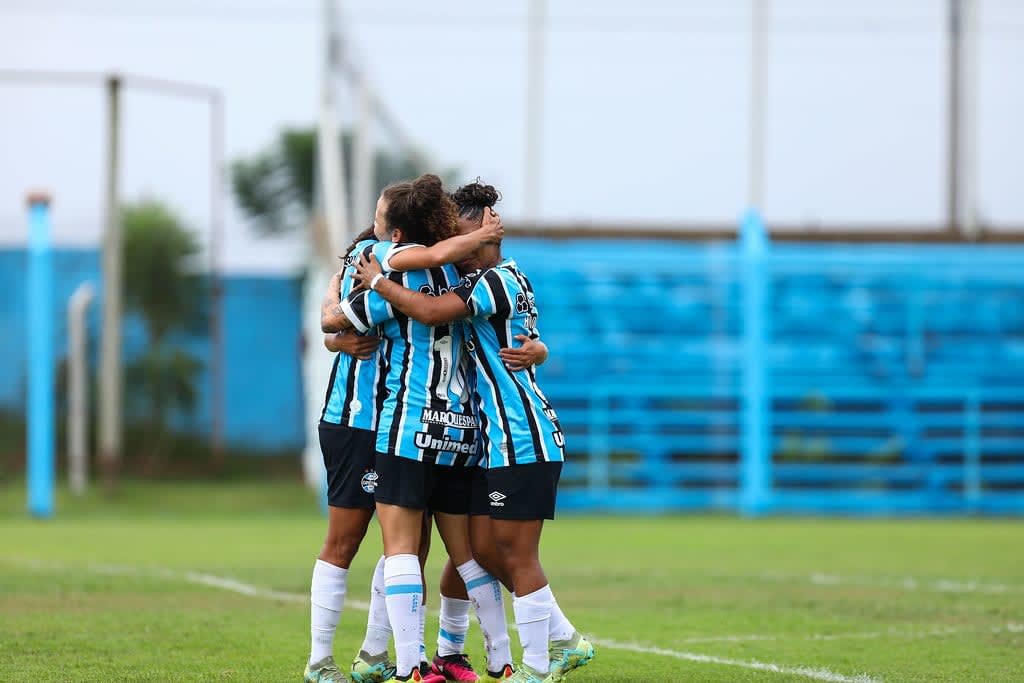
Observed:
{"x":330,"y":324}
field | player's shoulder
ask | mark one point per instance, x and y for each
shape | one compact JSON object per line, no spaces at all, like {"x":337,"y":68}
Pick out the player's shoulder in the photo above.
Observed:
{"x":361,"y":247}
{"x":507,"y":273}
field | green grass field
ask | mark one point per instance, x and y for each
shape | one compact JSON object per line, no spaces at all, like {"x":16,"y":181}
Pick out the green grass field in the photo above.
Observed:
{"x":150,"y":587}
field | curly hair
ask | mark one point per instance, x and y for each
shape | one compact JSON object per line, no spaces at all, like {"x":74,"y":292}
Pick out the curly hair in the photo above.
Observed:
{"x":472,"y":198}
{"x":422,"y":209}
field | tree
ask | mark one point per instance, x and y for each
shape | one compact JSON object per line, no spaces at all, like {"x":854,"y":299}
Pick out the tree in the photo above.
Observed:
{"x":163,"y":287}
{"x":276,"y":187}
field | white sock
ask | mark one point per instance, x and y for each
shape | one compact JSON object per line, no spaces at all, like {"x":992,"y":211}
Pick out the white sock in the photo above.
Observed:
{"x":533,"y":612}
{"x":378,"y":627}
{"x":404,"y":598}
{"x":327,"y":599}
{"x":451,"y":636}
{"x":423,"y":632}
{"x":559,"y":628}
{"x":485,"y":593}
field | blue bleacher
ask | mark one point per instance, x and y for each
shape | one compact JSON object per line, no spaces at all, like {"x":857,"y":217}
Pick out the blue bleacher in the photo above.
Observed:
{"x":897,"y":372}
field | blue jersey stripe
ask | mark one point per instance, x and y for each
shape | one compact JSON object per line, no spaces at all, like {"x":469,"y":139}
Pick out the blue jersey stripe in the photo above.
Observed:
{"x":518,"y":425}
{"x":352,"y":389}
{"x":426,"y":413}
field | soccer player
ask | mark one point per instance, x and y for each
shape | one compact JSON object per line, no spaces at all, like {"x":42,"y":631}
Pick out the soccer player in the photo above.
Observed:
{"x":521,"y":437}
{"x":426,"y":433}
{"x":347,"y":435}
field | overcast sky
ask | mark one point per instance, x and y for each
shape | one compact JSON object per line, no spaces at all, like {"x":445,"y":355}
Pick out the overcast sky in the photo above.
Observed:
{"x":646,"y":112}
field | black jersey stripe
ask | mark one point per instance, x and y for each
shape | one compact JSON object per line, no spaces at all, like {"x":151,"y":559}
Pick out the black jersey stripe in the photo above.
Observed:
{"x":330,"y":387}
{"x":350,"y":390}
{"x":435,"y":368}
{"x":503,"y":307}
{"x":506,"y":427}
{"x":505,"y":340}
{"x":398,"y":420}
{"x":383,"y":363}
{"x":499,"y":322}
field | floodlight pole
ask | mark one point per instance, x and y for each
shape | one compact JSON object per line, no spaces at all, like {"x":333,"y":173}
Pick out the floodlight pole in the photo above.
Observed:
{"x":967,"y":170}
{"x":363,"y":174}
{"x":758,"y":90}
{"x":533,"y":143}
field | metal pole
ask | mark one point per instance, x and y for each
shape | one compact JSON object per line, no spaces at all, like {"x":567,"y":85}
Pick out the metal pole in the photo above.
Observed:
{"x":363,"y":181}
{"x":78,"y":397}
{"x":325,"y":243}
{"x":968,"y":170}
{"x":40,"y":479}
{"x":758,"y":75}
{"x":953,"y":107}
{"x":533,"y":146}
{"x":756,"y":443}
{"x":217,"y":357}
{"x":332,"y":167}
{"x":110,"y":340}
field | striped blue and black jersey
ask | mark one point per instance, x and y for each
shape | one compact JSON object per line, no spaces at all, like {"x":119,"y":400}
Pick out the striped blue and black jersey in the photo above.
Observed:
{"x":355,"y":384}
{"x":427,"y":411}
{"x":517,"y":423}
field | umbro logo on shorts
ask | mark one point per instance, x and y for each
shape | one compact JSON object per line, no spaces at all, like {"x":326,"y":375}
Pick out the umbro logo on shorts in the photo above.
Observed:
{"x":496,"y":498}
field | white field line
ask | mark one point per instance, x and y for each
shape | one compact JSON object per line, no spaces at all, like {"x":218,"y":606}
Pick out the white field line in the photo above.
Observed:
{"x":817,"y":674}
{"x":862,"y":635}
{"x":908,"y":583}
{"x":234,"y":586}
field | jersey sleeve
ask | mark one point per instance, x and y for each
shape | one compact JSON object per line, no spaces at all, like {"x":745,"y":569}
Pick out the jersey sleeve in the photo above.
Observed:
{"x":366,"y":309}
{"x":385,"y":251}
{"x":485,"y":293}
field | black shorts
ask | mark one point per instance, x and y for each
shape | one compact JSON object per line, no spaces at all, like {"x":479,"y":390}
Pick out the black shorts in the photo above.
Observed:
{"x":523,"y":491}
{"x":479,"y":503}
{"x":349,"y":459}
{"x":423,"y":485}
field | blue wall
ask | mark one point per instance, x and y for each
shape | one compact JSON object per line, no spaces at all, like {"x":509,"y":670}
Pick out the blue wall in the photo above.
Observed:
{"x":263,"y":381}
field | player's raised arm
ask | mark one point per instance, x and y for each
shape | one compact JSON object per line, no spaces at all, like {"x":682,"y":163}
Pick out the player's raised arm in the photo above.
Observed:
{"x":423,"y":308}
{"x":451,"y":250}
{"x":332,"y":317}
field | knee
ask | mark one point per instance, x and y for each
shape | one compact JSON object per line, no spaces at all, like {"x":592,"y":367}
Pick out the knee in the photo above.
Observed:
{"x":339,"y":549}
{"x":489,"y":559}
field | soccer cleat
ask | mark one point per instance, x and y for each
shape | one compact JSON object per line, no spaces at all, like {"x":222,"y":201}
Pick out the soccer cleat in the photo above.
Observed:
{"x":527,"y":674}
{"x":566,"y":655}
{"x":454,"y":668}
{"x":502,"y":674}
{"x":367,"y":668}
{"x":324,"y":671}
{"x":422,"y":674}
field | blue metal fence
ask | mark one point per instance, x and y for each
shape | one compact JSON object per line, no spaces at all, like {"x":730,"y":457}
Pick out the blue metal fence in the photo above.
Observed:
{"x":890,"y":378}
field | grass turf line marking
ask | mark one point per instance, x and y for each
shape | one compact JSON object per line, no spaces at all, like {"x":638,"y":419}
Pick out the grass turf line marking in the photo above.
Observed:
{"x":906,"y":583}
{"x":857,"y":635}
{"x":805,"y":671}
{"x":242,"y":588}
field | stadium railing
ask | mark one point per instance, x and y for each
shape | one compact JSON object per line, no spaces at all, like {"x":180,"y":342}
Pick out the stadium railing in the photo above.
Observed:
{"x":894,"y":375}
